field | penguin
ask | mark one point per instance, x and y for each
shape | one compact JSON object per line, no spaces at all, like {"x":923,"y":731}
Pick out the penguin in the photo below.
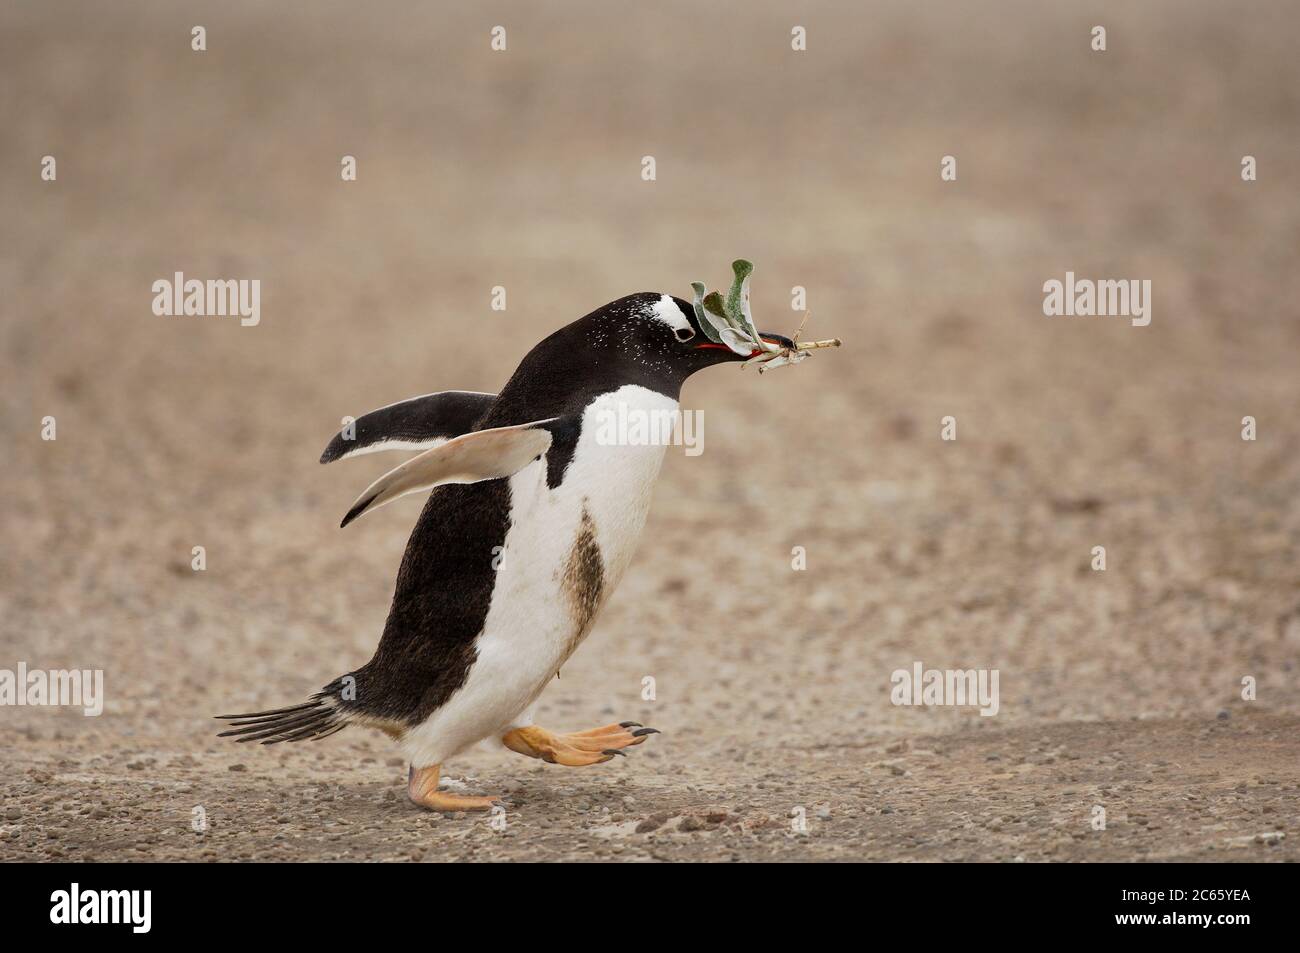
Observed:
{"x":530,"y":525}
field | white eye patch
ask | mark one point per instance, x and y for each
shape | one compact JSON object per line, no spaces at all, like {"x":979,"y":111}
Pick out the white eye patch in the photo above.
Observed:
{"x":666,"y":310}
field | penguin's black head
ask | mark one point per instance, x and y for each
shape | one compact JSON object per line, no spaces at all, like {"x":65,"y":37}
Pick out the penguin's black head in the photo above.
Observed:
{"x":659,"y":336}
{"x":649,"y":339}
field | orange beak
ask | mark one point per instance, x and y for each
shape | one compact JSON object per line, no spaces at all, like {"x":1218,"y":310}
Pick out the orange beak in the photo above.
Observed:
{"x":780,"y":340}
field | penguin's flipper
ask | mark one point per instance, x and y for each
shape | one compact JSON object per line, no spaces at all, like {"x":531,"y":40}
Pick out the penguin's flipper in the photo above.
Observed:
{"x":481,"y":455}
{"x":412,"y":424}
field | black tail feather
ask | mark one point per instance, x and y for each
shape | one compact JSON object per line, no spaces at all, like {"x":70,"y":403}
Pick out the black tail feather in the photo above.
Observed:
{"x":270,"y":712}
{"x":317,"y":718}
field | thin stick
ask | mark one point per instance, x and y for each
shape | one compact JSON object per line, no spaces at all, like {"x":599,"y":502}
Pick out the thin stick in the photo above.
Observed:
{"x":799,"y":330}
{"x":813,"y":345}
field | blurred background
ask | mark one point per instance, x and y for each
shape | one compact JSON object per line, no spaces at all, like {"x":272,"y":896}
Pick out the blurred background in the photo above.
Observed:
{"x":522,"y":169}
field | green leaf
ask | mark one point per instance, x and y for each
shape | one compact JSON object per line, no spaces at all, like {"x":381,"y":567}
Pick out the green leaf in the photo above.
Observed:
{"x":737,"y":303}
{"x":705,"y":320}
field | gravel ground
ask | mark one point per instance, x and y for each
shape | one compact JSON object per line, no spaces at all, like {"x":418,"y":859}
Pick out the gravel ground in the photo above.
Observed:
{"x":1119,"y":690}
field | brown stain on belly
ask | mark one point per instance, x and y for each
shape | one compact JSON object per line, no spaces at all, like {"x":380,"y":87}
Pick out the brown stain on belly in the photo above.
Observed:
{"x":583,"y":581}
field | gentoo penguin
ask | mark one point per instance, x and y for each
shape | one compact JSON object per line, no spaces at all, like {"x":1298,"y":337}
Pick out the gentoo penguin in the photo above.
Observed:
{"x":532,"y":521}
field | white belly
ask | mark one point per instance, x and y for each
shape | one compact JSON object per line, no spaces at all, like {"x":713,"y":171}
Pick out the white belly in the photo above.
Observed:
{"x":539,"y":604}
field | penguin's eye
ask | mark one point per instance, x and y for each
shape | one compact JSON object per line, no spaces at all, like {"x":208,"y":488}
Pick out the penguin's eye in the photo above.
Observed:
{"x":684,"y":334}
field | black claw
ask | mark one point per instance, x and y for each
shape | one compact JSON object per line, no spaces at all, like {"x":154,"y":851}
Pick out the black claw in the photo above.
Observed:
{"x":621,"y":754}
{"x":629,"y":724}
{"x":645,"y":731}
